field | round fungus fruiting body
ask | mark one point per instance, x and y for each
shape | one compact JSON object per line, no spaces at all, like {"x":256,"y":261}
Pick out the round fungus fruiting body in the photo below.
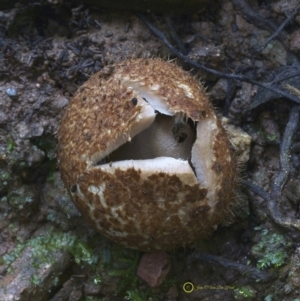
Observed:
{"x":144,"y":156}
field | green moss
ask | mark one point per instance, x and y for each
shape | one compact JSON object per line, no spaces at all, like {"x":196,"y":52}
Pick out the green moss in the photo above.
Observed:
{"x":10,"y":145}
{"x":5,"y":177}
{"x":47,"y":145}
{"x":271,"y":249}
{"x":97,"y":279}
{"x":55,"y":281}
{"x":116,"y":273}
{"x":120,"y":265}
{"x":12,"y":256}
{"x":19,"y":202}
{"x":271,"y":137}
{"x":136,"y":295}
{"x":267,"y":136}
{"x":269,"y":298}
{"x":35,"y":280}
{"x":82,"y":253}
{"x":273,"y":294}
{"x":244,"y":292}
{"x":44,"y":246}
{"x":110,"y":266}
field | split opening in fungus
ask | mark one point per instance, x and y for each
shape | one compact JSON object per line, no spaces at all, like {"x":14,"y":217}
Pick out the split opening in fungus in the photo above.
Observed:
{"x":157,"y":133}
{"x":167,"y":136}
{"x":162,"y":140}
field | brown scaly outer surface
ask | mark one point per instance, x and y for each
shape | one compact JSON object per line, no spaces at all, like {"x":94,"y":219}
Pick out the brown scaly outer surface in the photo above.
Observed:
{"x":125,"y":205}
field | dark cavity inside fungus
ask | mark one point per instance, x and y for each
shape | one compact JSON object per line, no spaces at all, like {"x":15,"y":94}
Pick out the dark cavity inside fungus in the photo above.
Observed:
{"x":167,"y":136}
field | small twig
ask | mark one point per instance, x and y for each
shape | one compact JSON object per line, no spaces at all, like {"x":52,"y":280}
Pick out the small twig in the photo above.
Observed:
{"x":253,"y":17}
{"x":245,"y":270}
{"x":236,"y":77}
{"x":273,"y":199}
{"x":229,"y":93}
{"x":285,"y":78}
{"x":257,"y":190}
{"x":284,"y":171}
{"x":292,"y":89}
{"x":278,"y":30}
{"x":228,"y":97}
{"x":174,"y":34}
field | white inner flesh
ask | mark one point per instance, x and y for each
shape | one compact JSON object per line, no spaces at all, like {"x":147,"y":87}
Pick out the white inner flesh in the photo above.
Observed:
{"x":151,"y":166}
{"x":202,"y":156}
{"x":153,"y":99}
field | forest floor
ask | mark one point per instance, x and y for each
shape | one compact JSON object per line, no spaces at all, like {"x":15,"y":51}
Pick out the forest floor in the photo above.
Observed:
{"x":48,"y":251}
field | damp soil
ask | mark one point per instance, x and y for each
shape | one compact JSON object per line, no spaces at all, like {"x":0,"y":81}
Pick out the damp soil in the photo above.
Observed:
{"x":48,"y":49}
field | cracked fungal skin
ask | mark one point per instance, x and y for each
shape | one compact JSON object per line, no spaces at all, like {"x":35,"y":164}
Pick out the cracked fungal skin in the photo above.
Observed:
{"x":144,"y":157}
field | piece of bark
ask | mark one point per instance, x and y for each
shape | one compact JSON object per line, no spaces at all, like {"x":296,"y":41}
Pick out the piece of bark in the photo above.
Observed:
{"x":154,"y":267}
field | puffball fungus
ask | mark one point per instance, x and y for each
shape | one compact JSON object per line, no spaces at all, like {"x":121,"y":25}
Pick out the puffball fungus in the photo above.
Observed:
{"x":145,"y":158}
